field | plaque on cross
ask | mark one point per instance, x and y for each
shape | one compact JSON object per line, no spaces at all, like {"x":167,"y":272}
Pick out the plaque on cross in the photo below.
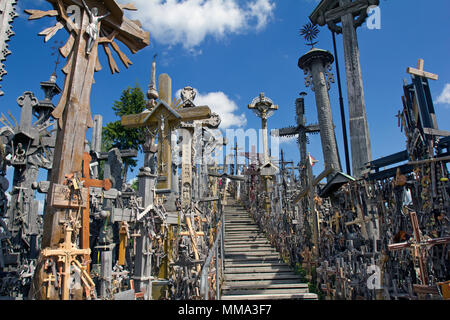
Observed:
{"x":86,"y":32}
{"x":164,"y":118}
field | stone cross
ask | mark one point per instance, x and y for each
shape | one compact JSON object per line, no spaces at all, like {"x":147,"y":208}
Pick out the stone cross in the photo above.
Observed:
{"x":73,"y":110}
{"x":331,"y":12}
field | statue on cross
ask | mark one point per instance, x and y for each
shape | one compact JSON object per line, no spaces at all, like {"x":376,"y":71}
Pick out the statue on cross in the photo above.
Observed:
{"x":92,"y":28}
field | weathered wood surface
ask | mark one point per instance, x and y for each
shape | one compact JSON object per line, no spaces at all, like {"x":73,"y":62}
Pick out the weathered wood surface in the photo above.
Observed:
{"x":64,"y":197}
{"x":191,"y":114}
{"x":73,"y":110}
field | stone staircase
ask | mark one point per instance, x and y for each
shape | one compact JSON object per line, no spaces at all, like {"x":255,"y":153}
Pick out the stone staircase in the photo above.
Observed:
{"x":253,"y":269}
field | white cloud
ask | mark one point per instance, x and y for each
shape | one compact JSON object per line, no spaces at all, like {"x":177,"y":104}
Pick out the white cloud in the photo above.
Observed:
{"x":189,"y":22}
{"x":444,"y":98}
{"x":221,"y":104}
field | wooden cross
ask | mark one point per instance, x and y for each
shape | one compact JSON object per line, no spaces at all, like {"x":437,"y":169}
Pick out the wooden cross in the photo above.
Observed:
{"x":87,"y":183}
{"x":194,"y":235}
{"x":73,"y":110}
{"x":419,"y":71}
{"x":419,"y":246}
{"x":335,"y":220}
{"x":308,"y":261}
{"x":361,"y":221}
{"x":67,"y":252}
{"x":164,"y":118}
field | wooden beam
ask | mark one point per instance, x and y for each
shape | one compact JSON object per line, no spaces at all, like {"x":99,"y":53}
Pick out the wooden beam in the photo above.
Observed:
{"x":420,"y":73}
{"x":188,"y":114}
{"x":335,"y":15}
{"x":436,"y":132}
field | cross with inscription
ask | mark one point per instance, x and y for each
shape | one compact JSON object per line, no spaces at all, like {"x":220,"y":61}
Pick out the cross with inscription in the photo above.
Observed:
{"x":73,"y":110}
{"x":164,"y":118}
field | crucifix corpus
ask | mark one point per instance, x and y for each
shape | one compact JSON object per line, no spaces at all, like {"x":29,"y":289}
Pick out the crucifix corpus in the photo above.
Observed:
{"x":89,"y":23}
{"x":164,"y":118}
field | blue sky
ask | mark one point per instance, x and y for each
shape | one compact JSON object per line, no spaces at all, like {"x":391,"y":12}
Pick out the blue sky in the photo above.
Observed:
{"x":231,"y":50}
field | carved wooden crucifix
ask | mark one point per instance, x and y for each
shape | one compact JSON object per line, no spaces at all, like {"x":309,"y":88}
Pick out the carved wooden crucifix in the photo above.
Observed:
{"x":164,"y":118}
{"x":73,"y":110}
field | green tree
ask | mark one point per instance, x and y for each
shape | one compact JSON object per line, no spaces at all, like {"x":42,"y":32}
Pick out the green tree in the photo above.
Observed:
{"x":114,"y":135}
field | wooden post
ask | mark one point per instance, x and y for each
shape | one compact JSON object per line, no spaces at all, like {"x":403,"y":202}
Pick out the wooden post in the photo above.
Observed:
{"x":73,"y":110}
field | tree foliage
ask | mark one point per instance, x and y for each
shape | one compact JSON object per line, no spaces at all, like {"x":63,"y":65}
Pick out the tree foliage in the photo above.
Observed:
{"x":114,"y":135}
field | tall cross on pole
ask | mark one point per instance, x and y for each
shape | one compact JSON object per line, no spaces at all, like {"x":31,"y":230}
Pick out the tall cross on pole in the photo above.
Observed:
{"x":89,"y":24}
{"x":351,"y":14}
{"x":264,"y":108}
{"x":164,"y":118}
{"x":84,"y":21}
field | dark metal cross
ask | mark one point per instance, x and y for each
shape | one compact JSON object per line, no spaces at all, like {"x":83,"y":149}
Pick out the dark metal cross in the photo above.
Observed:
{"x":419,"y":246}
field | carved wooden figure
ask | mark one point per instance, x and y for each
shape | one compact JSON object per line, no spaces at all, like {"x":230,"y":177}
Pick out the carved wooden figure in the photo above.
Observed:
{"x":73,"y":110}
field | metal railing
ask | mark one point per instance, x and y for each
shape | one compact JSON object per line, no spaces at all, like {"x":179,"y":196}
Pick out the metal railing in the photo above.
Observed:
{"x":216,"y":252}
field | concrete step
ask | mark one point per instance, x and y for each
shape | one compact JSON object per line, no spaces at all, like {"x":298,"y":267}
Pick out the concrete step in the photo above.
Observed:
{"x":248,"y":246}
{"x":254,"y":252}
{"x":279,"y":296}
{"x":264,"y":284}
{"x":246,"y":241}
{"x":250,"y":255}
{"x":240,"y":258}
{"x":239,"y":223}
{"x":262,"y":276}
{"x":248,"y":264}
{"x":240,"y":226}
{"x":245,"y":233}
{"x":264,"y":291}
{"x":261,"y":269}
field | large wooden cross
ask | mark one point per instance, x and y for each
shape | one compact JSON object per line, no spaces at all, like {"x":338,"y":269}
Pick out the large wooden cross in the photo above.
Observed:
{"x":85,"y":25}
{"x":164,"y":118}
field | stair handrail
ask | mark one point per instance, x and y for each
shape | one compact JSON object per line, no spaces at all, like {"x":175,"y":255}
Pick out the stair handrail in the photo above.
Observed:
{"x":214,"y":251}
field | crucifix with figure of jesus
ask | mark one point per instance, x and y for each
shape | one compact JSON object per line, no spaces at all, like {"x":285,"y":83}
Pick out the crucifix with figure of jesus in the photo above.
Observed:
{"x":90,"y":23}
